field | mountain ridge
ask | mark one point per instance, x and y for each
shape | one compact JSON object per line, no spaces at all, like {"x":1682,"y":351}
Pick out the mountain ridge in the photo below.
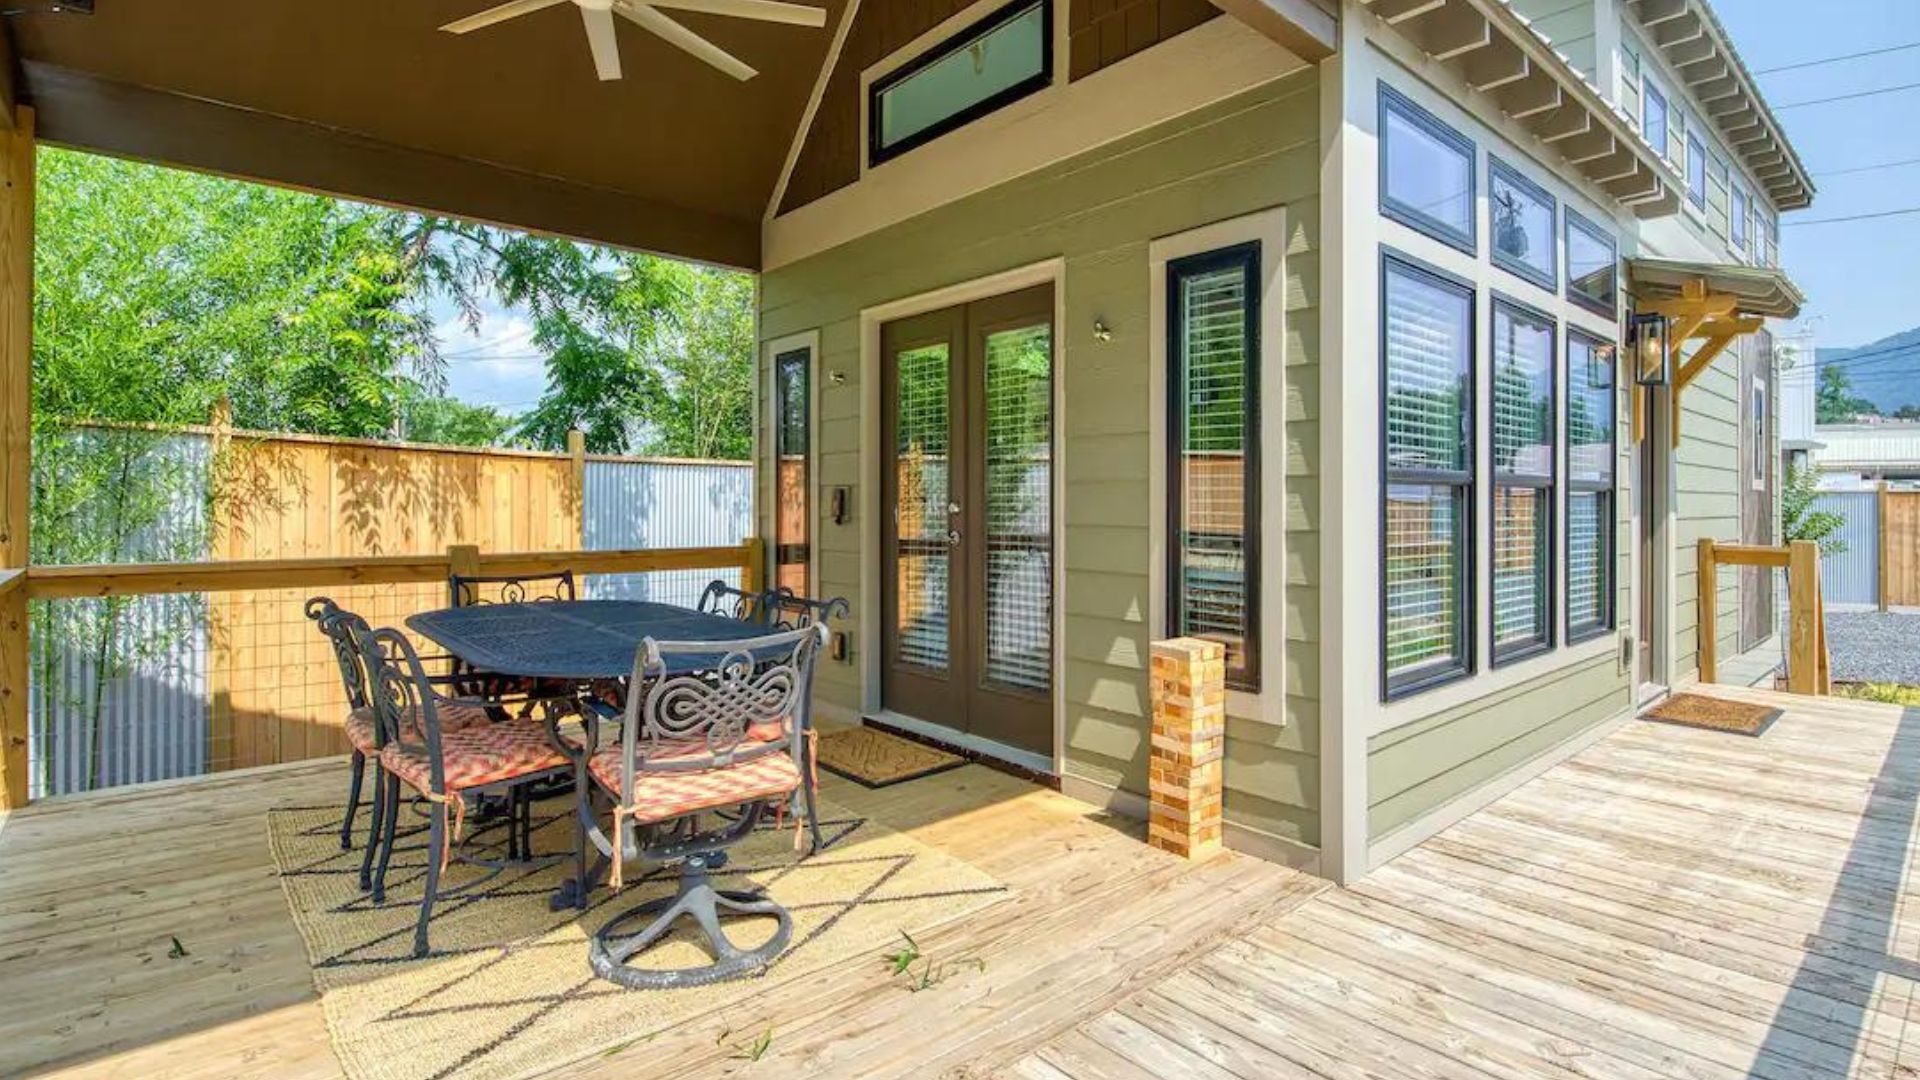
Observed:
{"x":1887,"y":371}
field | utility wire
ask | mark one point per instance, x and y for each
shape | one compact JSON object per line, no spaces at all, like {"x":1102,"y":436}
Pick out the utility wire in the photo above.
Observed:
{"x":1868,"y":168}
{"x":1836,"y":59}
{"x":1851,"y":217}
{"x":1847,"y":97}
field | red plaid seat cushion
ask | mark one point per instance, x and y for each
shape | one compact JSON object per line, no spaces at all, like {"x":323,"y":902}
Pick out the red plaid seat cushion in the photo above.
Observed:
{"x":360,"y":723}
{"x":662,"y":796}
{"x":479,"y":754}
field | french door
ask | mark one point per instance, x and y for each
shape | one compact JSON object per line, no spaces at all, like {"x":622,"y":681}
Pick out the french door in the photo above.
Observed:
{"x":967,"y":533}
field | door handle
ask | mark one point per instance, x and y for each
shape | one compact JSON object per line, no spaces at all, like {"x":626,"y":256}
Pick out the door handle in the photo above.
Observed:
{"x":953,"y":538}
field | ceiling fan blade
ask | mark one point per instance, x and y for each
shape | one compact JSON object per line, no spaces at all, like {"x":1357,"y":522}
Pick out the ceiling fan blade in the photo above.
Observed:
{"x":512,"y":9}
{"x":684,"y":38}
{"x":606,"y":46}
{"x":762,"y":10}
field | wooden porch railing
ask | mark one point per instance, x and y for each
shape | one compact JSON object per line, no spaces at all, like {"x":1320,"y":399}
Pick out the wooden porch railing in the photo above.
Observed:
{"x":1807,"y":664}
{"x":67,"y":582}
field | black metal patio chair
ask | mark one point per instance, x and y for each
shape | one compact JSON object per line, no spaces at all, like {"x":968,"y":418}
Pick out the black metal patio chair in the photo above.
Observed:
{"x":686,"y":751}
{"x":445,"y":764}
{"x":720,"y":598}
{"x":791,"y":611}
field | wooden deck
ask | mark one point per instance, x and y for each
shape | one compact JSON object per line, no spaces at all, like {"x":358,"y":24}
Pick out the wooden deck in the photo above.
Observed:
{"x":1668,"y":903}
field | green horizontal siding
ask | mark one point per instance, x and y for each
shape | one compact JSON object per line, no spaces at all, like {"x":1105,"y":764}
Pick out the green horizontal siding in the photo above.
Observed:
{"x":1098,"y":212}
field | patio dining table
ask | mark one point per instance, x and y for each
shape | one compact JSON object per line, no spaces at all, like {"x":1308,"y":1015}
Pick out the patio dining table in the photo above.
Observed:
{"x":575,"y":641}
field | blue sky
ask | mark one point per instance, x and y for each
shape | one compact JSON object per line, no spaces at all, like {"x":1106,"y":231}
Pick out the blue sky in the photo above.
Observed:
{"x":493,"y":364}
{"x":1859,"y":277}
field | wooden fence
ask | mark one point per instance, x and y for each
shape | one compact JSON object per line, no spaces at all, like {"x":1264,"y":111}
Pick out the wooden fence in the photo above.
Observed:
{"x":1899,"y":547}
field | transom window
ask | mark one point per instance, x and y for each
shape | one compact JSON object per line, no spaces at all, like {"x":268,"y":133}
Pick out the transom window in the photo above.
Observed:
{"x":1213,"y":498}
{"x":1522,"y":224}
{"x":1523,"y":473}
{"x":1426,"y":172}
{"x":1592,"y":266}
{"x":994,"y":62}
{"x":1427,"y":350}
{"x":1590,"y":465}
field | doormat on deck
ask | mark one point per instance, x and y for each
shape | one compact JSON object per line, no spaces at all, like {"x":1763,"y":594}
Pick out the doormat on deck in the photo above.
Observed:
{"x":880,"y":759}
{"x":506,"y":990}
{"x":1713,"y":714}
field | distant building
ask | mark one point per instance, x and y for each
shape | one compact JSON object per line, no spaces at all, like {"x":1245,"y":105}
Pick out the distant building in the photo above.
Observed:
{"x":1856,"y":455}
{"x":1795,"y":369}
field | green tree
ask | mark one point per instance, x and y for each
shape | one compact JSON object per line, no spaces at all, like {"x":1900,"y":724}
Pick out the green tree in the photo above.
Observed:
{"x":451,"y":422}
{"x":1799,"y":520}
{"x":1834,"y":401}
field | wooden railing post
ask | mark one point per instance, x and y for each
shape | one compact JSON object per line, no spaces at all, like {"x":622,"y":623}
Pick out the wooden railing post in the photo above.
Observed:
{"x":16,"y":443}
{"x":1185,"y":771}
{"x":1804,"y":660}
{"x":1707,"y":610}
{"x":753,"y":564}
{"x":577,"y":451}
{"x":1880,"y":540}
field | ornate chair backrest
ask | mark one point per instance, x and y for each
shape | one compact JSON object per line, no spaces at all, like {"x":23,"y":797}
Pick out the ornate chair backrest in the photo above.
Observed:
{"x":466,"y":590}
{"x":694,"y":702}
{"x":404,"y":703}
{"x":791,"y":611}
{"x":723,"y":599}
{"x":345,"y":631}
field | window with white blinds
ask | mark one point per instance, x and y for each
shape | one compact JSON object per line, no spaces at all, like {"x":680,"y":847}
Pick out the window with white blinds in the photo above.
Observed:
{"x":793,"y":462}
{"x":1213,"y":497}
{"x":1523,"y":480}
{"x":1427,"y":411}
{"x":1590,"y":466}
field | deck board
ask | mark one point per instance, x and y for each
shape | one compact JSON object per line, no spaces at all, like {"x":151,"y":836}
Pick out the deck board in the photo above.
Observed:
{"x":1667,"y":903}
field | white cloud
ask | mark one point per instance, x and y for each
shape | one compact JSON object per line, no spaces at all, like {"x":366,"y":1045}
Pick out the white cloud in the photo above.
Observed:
{"x":496,"y":363}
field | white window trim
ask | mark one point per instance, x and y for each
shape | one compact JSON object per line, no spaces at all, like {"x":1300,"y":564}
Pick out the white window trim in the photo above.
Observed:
{"x":1269,"y":228}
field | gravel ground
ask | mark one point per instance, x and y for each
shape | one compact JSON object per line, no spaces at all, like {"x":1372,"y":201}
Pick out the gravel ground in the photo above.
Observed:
{"x":1867,"y":646}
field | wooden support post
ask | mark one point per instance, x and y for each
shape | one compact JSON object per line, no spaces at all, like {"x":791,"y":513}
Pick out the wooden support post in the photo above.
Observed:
{"x":577,"y":450}
{"x":1185,"y":770}
{"x":1707,"y":614}
{"x":16,"y":442}
{"x":463,"y":560}
{"x":753,"y":565}
{"x":1881,"y":529}
{"x":1803,"y":612}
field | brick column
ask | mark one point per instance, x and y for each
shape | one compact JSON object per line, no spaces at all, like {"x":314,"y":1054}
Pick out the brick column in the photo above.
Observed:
{"x":1189,"y":738}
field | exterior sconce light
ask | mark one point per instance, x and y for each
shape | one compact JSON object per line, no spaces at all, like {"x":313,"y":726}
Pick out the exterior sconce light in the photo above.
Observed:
{"x":1647,"y":343}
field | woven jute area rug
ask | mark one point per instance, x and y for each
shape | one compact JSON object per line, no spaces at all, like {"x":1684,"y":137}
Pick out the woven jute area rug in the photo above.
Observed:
{"x":506,"y":990}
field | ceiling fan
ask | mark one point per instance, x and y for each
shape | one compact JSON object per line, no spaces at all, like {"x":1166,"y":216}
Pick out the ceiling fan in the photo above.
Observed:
{"x":598,"y":16}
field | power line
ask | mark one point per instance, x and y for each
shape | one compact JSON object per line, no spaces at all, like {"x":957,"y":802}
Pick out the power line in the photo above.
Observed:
{"x":1836,"y":59}
{"x":1852,"y":217}
{"x":1847,"y":97}
{"x":1868,"y":168}
{"x":1891,"y":352}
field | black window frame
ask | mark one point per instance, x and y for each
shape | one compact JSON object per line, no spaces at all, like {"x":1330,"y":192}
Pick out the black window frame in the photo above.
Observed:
{"x":1246,"y":256}
{"x":1499,"y":172}
{"x":1608,"y":490}
{"x":1412,"y":217}
{"x":1574,"y":219}
{"x":878,"y":154}
{"x":803,"y":356}
{"x":1394,"y":688}
{"x":1650,"y":90}
{"x":1546,"y":486}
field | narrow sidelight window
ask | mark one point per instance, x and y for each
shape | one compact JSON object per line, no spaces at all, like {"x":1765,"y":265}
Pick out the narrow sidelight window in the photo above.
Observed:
{"x":1523,"y":220}
{"x":793,"y":464}
{"x":1523,"y":475}
{"x":1213,"y":477}
{"x":1590,"y":463}
{"x":1426,"y":172}
{"x":1592,"y":266}
{"x":991,"y":64}
{"x":1427,"y":348}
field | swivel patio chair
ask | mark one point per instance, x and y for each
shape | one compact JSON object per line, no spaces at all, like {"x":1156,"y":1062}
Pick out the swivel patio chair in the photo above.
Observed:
{"x":446,"y":764}
{"x":685,"y":751}
{"x":791,"y":611}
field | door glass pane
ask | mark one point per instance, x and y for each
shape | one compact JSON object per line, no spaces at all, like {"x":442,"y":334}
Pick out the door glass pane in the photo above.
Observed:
{"x":921,"y":445}
{"x":1019,"y":518}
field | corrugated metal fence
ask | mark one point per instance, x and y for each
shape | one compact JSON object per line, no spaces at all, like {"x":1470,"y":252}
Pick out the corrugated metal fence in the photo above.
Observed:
{"x":1852,"y":576}
{"x":147,"y":719}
